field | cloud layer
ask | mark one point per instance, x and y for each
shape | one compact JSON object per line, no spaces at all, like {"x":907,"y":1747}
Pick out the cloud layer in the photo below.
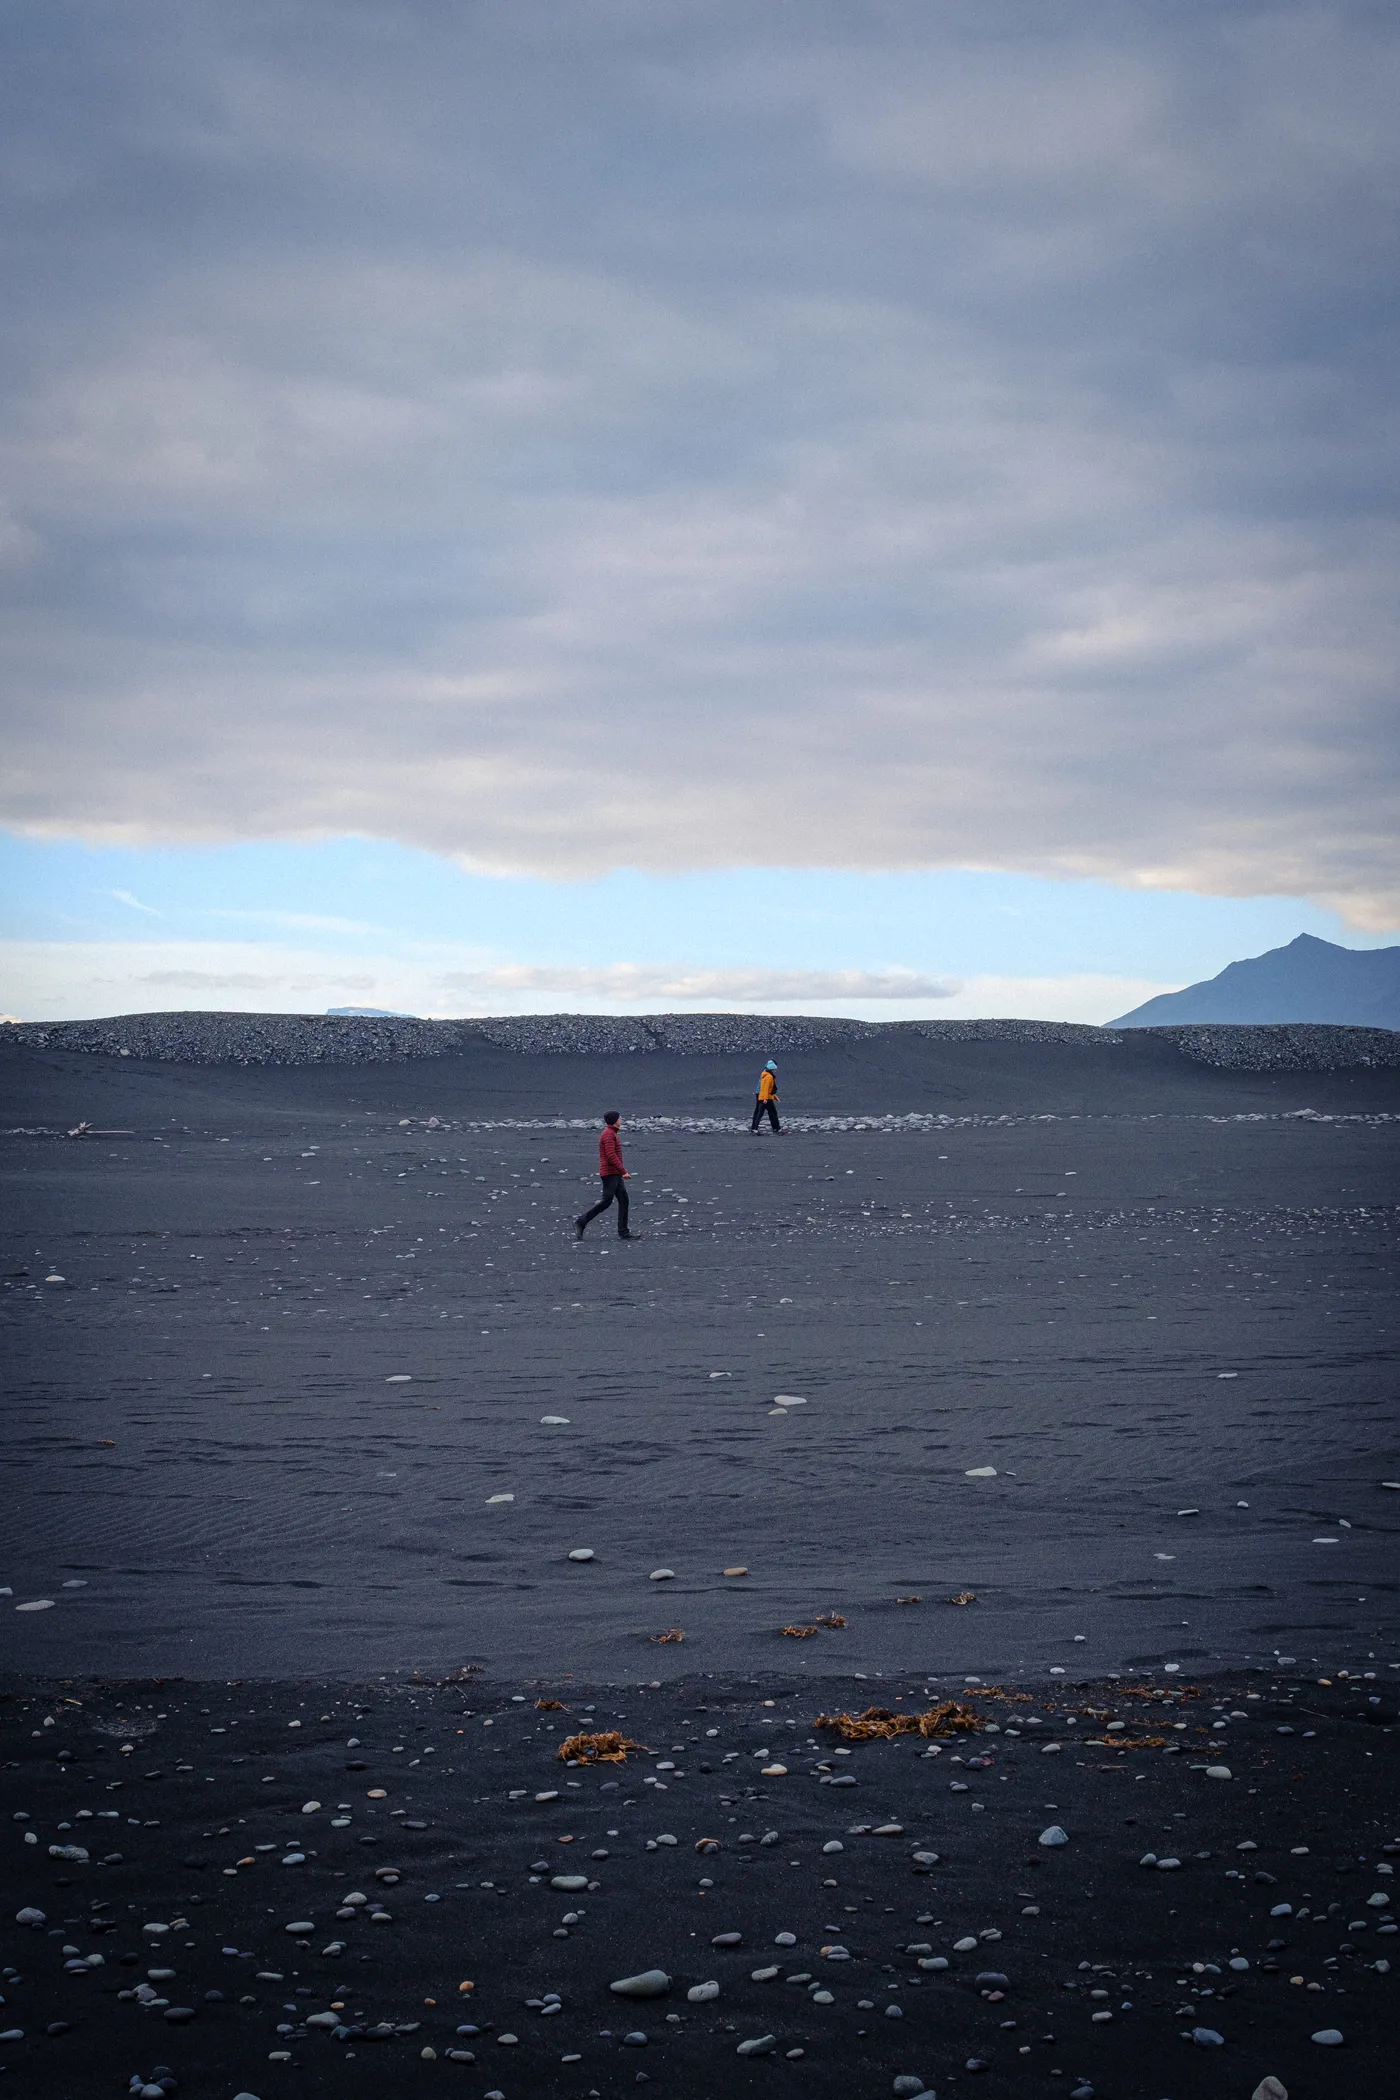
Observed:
{"x":61,"y":980}
{"x":679,"y":435}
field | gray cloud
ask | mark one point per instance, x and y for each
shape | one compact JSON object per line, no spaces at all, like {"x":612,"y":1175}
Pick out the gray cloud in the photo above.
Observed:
{"x":676,"y":435}
{"x":632,"y":982}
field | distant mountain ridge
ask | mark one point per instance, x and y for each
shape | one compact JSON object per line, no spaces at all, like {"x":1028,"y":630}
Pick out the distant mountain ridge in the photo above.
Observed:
{"x":1309,"y":980}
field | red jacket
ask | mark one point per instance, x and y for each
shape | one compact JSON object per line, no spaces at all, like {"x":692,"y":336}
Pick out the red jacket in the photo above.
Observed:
{"x":610,"y":1151}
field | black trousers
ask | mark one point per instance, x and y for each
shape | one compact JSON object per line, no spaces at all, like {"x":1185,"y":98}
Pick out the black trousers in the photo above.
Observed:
{"x":772,"y":1108}
{"x":614,"y":1191}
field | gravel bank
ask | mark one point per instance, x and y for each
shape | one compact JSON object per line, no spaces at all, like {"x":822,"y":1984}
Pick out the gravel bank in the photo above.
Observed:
{"x":310,"y":1039}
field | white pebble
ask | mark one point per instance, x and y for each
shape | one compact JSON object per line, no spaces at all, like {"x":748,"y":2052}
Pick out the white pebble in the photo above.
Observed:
{"x":1054,"y":1836}
{"x":980,"y":1473}
{"x":498,"y":1498}
{"x":555,"y":1421}
{"x":582,"y":1553}
{"x":400,"y":1378}
{"x":662,"y":1575}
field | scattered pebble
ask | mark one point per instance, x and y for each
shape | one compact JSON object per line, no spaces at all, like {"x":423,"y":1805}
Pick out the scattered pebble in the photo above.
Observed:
{"x":582,"y":1553}
{"x":651,"y":1983}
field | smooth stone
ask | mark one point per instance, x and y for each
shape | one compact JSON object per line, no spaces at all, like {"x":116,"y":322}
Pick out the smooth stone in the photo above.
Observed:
{"x":736,"y":1571}
{"x":1054,"y":1836}
{"x":907,"y":2086}
{"x":301,"y":1925}
{"x":30,"y":1916}
{"x":702,"y":1993}
{"x":662,"y":1575}
{"x":582,"y":1553}
{"x":762,"y":2045}
{"x":498,"y":1498}
{"x":651,"y":1983}
{"x":1270,"y":2088}
{"x":1207,"y":2038}
{"x":966,"y":1946}
{"x":1219,"y":1772}
{"x":925,"y":1859}
{"x":1328,"y":2037}
{"x":555,"y":1421}
{"x":400,"y":1378}
{"x":980,"y":1473}
{"x":833,"y":1845}
{"x":785,"y":1939}
{"x":38,"y":1604}
{"x":569,"y":1882}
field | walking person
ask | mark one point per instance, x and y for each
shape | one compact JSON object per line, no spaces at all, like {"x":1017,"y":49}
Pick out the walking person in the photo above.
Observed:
{"x":766,"y":1098}
{"x":613,"y":1174}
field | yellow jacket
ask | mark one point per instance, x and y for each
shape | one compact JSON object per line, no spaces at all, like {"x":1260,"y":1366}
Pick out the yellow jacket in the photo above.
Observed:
{"x":767,"y":1087}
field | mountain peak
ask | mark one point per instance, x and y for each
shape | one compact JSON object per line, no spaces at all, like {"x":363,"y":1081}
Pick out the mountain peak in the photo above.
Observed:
{"x":1306,"y":980}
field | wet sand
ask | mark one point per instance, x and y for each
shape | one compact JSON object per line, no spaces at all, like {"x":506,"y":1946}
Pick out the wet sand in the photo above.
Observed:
{"x":1128,"y":1313}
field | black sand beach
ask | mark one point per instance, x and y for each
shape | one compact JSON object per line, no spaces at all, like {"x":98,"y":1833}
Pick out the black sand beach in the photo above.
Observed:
{"x":1156,"y":1296}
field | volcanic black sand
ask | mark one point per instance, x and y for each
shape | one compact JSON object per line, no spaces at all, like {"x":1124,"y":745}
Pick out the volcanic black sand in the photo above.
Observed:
{"x":1156,"y":1298}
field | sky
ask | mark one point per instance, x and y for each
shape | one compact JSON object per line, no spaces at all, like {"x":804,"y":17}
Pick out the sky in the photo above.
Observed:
{"x":883,"y":508}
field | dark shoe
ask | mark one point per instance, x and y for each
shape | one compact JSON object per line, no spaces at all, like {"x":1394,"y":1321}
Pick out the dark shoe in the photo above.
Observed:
{"x":631,"y":1235}
{"x":579,"y":1228}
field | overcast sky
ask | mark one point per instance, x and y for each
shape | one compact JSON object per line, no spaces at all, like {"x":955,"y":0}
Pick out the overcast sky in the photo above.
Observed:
{"x":682,"y":436}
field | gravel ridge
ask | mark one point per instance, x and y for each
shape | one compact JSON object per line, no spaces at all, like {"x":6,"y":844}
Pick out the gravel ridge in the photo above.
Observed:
{"x":308,"y":1039}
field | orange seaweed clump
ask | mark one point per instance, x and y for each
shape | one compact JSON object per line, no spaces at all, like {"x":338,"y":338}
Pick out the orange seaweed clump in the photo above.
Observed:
{"x":606,"y":1746}
{"x":830,"y":1618}
{"x":672,"y":1633}
{"x":549,"y":1706}
{"x":801,"y":1633}
{"x":947,"y":1718}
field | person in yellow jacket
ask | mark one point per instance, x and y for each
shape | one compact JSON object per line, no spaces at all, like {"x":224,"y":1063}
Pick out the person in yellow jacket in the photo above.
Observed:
{"x":766,"y":1098}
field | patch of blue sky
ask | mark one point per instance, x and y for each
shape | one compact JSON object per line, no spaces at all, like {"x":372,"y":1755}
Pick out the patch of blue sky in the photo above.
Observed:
{"x":369,"y":895}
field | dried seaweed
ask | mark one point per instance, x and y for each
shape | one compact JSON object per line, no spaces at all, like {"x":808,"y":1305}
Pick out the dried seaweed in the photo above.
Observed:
{"x":800,"y":1633}
{"x":606,"y":1746}
{"x":672,"y":1633}
{"x":948,"y":1718}
{"x":550,"y":1706}
{"x":964,"y":1597}
{"x":1126,"y":1742}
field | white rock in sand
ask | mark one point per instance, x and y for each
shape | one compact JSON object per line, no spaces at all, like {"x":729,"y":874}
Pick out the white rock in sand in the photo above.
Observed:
{"x":788,"y":1400}
{"x":555,"y":1421}
{"x":980,"y":1473}
{"x":662,"y":1575}
{"x":1054,"y":1836}
{"x":702,"y":1993}
{"x":400,"y":1378}
{"x":38,"y":1604}
{"x":498,"y":1498}
{"x":582,"y":1553}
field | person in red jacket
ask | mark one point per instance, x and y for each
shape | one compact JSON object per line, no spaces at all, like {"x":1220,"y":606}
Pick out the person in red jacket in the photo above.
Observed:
{"x":613,"y":1174}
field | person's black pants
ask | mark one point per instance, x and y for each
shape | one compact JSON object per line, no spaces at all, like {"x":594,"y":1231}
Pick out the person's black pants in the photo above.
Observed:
{"x":772,"y":1108}
{"x":614,"y":1191}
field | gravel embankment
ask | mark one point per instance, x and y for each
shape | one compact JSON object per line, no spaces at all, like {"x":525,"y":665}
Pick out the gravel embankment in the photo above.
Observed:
{"x":307,"y":1039}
